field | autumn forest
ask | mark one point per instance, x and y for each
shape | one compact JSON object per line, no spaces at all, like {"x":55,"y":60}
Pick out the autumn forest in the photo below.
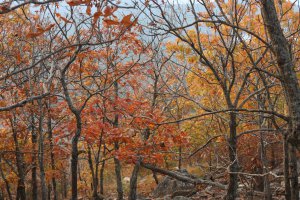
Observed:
{"x":149,"y":99}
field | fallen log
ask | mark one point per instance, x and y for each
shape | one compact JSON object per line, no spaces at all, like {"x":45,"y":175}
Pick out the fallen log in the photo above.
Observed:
{"x":196,"y":181}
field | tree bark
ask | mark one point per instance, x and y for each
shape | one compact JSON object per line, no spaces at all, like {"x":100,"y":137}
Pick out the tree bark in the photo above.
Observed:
{"x":50,"y":138}
{"x":282,"y":51}
{"x":263,"y":156}
{"x":41,"y":154}
{"x":102,"y":171}
{"x":7,"y":186}
{"x":118,"y":175}
{"x":76,"y":112}
{"x":233,"y":177}
{"x":183,"y":178}
{"x":64,"y":186}
{"x":33,"y":160}
{"x":133,"y":181}
{"x":94,"y":173}
{"x":74,"y":157}
{"x":286,"y":169}
{"x":116,"y":145}
{"x":21,"y":192}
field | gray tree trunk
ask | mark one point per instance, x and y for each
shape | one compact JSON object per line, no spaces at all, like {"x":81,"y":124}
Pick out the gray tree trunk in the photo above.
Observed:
{"x":34,"y":186}
{"x":41,"y":154}
{"x":233,"y":168}
{"x":118,"y":175}
{"x":133,"y":181}
{"x":102,"y":172}
{"x":282,"y":51}
{"x":21,"y":191}
{"x":50,"y":138}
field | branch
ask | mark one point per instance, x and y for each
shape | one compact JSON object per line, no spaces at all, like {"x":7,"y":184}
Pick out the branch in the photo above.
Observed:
{"x":224,"y":111}
{"x":203,"y":146}
{"x":4,"y":8}
{"x":23,"y":102}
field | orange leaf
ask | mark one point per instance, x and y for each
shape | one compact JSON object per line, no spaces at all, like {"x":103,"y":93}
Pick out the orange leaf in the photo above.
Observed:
{"x":111,"y":22}
{"x":36,"y":17}
{"x":97,"y":15}
{"x":39,"y":31}
{"x":75,"y":2}
{"x":39,"y":28}
{"x":49,"y":27}
{"x":126,"y":20}
{"x":88,"y":10}
{"x":33,"y":35}
{"x":63,"y":18}
{"x":18,"y":57}
{"x":109,"y":11}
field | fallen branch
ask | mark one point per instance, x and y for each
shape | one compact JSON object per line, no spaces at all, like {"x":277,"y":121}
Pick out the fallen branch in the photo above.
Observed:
{"x":196,"y":181}
{"x":257,"y":175}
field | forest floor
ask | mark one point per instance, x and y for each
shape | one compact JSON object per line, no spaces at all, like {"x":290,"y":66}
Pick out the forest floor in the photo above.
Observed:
{"x":147,"y":187}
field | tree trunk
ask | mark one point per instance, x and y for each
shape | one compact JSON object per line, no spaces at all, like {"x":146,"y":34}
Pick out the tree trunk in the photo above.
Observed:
{"x":116,"y":145}
{"x":118,"y":175}
{"x":33,"y":160}
{"x":41,"y":155}
{"x":74,"y":157}
{"x":102,"y":172}
{"x":293,"y":172}
{"x":180,"y":158}
{"x":50,"y":138}
{"x":64,"y":186}
{"x":286,"y":169}
{"x":267,"y":191}
{"x":263,"y":157}
{"x":7,"y":186}
{"x":21,"y":192}
{"x":49,"y":192}
{"x":133,"y":181}
{"x":281,"y":49}
{"x":94,"y":175}
{"x":233,"y":168}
